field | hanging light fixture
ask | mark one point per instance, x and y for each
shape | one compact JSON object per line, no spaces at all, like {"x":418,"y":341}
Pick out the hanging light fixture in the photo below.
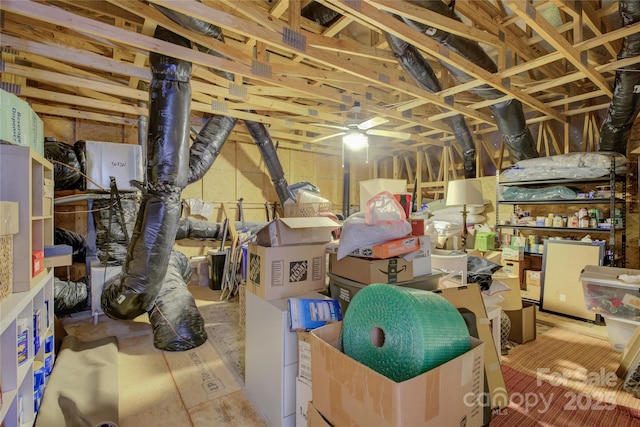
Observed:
{"x":355,"y":140}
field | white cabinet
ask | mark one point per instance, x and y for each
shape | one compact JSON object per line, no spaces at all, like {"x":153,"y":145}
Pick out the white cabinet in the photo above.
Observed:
{"x":271,"y":358}
{"x":27,"y":315}
{"x":25,"y":176}
{"x":33,"y":311}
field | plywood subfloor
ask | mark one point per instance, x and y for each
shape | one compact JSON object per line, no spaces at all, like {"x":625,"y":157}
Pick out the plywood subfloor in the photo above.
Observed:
{"x":200,"y":387}
{"x":204,"y":386}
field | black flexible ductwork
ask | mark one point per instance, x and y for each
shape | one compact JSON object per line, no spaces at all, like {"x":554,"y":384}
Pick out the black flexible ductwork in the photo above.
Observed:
{"x":175,"y":319}
{"x":208,"y":143}
{"x":625,"y":104}
{"x":214,"y":134}
{"x":167,"y":169}
{"x":509,"y":115}
{"x":414,"y":64}
{"x":261,"y":137}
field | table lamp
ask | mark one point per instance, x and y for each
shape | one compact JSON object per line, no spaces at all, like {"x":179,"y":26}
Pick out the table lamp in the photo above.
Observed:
{"x":464,"y":192}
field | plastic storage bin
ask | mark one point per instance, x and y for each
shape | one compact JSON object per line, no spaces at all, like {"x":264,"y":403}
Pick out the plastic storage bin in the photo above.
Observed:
{"x":620,"y":331}
{"x":608,"y":296}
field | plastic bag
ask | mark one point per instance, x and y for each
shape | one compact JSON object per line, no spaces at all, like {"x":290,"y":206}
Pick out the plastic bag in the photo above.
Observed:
{"x":356,"y":233}
{"x":383,"y":208}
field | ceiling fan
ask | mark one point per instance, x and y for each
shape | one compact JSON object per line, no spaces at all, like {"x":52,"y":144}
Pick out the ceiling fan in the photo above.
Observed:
{"x":355,"y":132}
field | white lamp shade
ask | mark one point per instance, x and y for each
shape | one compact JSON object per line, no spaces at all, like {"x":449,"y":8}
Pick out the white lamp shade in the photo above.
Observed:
{"x":464,"y":192}
{"x":355,"y":140}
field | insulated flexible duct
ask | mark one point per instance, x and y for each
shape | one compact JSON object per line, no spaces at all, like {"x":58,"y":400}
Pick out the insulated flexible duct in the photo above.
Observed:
{"x":509,"y":115}
{"x":217,"y":129}
{"x":176,"y":321}
{"x":625,"y":104}
{"x":414,"y":64}
{"x":167,"y":169}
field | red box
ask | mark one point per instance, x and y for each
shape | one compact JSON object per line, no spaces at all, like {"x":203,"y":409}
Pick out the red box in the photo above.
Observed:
{"x":405,"y":201}
{"x":417,"y":227}
{"x":37,"y":262}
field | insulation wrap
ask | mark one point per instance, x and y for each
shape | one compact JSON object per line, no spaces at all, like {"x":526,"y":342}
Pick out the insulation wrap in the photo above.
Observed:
{"x":402,"y":332}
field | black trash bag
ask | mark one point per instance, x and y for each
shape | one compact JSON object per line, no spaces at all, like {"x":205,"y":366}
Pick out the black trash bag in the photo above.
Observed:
{"x":70,"y":297}
{"x":480,"y":270}
{"x":65,"y":178}
{"x":77,"y":242}
{"x":111,"y":242}
{"x":175,"y":319}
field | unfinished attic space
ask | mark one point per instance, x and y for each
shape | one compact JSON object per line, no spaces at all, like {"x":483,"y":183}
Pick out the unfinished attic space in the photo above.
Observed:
{"x":319,"y":213}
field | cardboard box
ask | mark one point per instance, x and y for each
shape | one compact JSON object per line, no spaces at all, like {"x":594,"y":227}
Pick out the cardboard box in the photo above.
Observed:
{"x":532,"y":293}
{"x":469,"y":297}
{"x":349,"y":393}
{"x":287,"y":271}
{"x":9,"y":218}
{"x":422,"y":258}
{"x":630,"y":355}
{"x":303,"y":398}
{"x":523,"y":323}
{"x":304,"y":356}
{"x":15,"y":120}
{"x":296,"y":231}
{"x":513,"y":253}
{"x":532,"y":277}
{"x":106,"y":159}
{"x":390,"y":249}
{"x":37,"y":262}
{"x":315,"y":418}
{"x":392,"y":270}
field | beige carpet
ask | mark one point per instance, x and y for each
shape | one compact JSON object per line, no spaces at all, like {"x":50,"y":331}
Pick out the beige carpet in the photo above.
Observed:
{"x":564,"y":364}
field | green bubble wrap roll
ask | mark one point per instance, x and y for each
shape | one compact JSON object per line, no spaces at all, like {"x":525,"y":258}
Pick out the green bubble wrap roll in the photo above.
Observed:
{"x":402,"y":332}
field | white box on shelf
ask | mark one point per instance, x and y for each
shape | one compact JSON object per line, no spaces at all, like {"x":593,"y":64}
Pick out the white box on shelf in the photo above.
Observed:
{"x":106,"y":159}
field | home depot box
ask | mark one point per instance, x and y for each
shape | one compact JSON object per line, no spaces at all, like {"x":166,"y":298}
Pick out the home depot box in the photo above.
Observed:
{"x":286,"y":271}
{"x":296,"y":231}
{"x":523,"y":323}
{"x":106,"y":159}
{"x":392,"y":270}
{"x":349,"y":393}
{"x":9,"y":218}
{"x":390,"y":249}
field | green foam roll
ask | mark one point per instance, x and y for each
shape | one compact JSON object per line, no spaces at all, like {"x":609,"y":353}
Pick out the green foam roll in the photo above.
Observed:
{"x":402,"y":332}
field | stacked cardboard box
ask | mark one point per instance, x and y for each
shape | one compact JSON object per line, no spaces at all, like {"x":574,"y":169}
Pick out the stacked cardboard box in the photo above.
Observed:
{"x":346,"y":392}
{"x":288,"y":260}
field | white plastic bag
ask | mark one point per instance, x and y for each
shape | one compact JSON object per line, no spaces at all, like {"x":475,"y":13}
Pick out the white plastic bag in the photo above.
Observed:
{"x":356,"y":233}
